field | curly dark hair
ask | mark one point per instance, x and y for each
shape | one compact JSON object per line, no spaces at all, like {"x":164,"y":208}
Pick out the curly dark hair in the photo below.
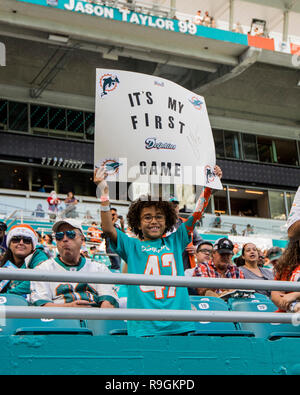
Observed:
{"x":136,"y":207}
{"x":288,"y":261}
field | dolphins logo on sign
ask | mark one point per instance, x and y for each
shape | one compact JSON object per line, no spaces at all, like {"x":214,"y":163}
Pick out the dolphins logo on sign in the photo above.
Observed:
{"x":108,"y":83}
{"x":209,"y":174}
{"x":111,"y":166}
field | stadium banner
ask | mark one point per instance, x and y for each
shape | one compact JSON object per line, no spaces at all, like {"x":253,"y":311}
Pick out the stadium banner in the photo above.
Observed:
{"x":151,"y":130}
{"x":92,"y":8}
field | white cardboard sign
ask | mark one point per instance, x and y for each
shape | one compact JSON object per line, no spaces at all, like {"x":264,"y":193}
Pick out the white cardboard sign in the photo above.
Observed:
{"x":151,"y":130}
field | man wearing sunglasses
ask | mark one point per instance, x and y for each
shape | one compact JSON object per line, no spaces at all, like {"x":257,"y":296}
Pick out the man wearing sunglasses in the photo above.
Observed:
{"x":23,"y":252}
{"x":69,"y":239}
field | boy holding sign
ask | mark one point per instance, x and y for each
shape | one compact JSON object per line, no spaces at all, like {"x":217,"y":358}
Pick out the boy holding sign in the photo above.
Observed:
{"x":153,"y":254}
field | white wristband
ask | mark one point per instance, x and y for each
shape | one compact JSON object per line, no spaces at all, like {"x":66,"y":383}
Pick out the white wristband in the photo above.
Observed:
{"x":104,"y":208}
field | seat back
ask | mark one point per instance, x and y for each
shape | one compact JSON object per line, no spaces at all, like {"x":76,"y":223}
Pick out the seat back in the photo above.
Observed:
{"x":210,"y":303}
{"x":29,"y":326}
{"x":269,"y":331}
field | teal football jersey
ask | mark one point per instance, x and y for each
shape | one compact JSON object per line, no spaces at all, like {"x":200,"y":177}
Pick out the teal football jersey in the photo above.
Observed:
{"x":156,"y":257}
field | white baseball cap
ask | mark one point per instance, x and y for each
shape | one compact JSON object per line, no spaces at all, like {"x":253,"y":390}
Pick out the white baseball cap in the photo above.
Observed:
{"x":73,"y":222}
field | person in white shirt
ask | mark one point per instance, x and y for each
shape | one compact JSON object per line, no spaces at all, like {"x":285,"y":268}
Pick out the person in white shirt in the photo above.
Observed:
{"x":198,"y":19}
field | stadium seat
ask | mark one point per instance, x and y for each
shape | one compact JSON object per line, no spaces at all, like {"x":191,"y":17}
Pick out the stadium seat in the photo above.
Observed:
{"x":107,"y":327}
{"x":211,"y":303}
{"x":52,"y":327}
{"x":271,"y":331}
{"x":29,"y":326}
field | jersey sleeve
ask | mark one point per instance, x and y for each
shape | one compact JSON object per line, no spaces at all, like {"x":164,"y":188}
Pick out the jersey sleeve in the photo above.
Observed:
{"x":123,"y":246}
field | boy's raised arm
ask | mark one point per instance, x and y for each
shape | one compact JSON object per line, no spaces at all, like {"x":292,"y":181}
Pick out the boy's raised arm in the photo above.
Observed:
{"x":202,"y":203}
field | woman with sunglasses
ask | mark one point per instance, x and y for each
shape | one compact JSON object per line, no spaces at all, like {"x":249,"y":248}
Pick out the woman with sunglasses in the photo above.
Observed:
{"x":23,"y":252}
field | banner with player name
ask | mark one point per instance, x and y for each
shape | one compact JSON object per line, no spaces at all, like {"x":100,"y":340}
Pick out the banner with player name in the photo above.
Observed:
{"x":151,"y":130}
{"x":96,"y":8}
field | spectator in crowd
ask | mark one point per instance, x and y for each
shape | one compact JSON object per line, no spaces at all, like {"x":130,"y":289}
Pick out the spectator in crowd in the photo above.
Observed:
{"x":188,"y":255}
{"x":53,"y":202}
{"x":69,"y":238}
{"x":71,"y":202}
{"x":198,"y":18}
{"x":257,"y":32}
{"x":248,"y":231}
{"x":94,"y":233}
{"x":238,"y":28}
{"x":207,"y":19}
{"x":251,"y":269}
{"x":49,"y":245}
{"x":213,"y":23}
{"x":204,"y":252}
{"x":42,"y":189}
{"x":294,"y":231}
{"x":115,"y":260}
{"x":288,"y":269}
{"x":153,"y":254}
{"x":93,"y":251}
{"x":203,"y":255}
{"x":233,"y":230}
{"x":217,"y":222}
{"x":23,"y":253}
{"x":261,"y":258}
{"x":88,"y":215}
{"x":220,"y":266}
{"x":273,"y":255}
{"x":3,"y":228}
{"x":39,"y":212}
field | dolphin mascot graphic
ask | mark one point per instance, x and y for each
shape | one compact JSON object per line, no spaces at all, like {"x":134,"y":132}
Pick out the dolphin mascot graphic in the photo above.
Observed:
{"x":112,"y":167}
{"x":109,"y":82}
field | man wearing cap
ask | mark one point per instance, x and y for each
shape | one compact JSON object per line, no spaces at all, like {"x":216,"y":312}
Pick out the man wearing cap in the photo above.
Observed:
{"x":69,"y":239}
{"x":22,"y":253}
{"x":188,"y":255}
{"x":273,"y":255}
{"x":219,"y":266}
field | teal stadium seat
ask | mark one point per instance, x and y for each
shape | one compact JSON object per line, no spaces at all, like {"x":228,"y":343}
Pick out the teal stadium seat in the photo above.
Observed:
{"x":28,"y":326}
{"x":271,"y":331}
{"x":210,"y":303}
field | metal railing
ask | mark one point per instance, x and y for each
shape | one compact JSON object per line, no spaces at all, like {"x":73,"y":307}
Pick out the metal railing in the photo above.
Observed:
{"x":145,"y":314}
